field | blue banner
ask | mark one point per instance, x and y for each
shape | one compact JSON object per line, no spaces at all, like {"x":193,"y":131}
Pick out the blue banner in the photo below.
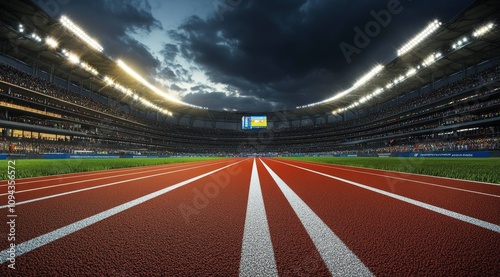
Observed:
{"x":103,"y":156}
{"x":55,"y":156}
{"x":76,"y":156}
{"x":468,"y":154}
{"x":140,"y":156}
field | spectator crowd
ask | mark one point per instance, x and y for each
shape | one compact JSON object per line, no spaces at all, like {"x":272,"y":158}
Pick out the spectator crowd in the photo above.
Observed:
{"x":473,"y":99}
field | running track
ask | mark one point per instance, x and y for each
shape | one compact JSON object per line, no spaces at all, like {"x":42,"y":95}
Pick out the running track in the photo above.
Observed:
{"x":252,"y":217}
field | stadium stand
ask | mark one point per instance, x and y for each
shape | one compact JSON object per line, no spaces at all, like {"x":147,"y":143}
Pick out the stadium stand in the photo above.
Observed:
{"x":419,"y":124}
{"x":454,"y":105}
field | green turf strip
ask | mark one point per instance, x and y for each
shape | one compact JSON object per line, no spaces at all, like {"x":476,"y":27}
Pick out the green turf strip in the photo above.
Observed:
{"x":480,"y":169}
{"x":35,"y":168}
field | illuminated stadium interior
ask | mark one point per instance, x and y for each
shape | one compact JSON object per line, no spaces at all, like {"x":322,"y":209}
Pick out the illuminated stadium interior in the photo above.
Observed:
{"x":67,"y":94}
{"x":251,"y":147}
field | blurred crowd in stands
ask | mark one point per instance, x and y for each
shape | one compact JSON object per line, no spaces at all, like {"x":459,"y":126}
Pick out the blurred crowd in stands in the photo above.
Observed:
{"x":471,"y":99}
{"x":478,"y":144}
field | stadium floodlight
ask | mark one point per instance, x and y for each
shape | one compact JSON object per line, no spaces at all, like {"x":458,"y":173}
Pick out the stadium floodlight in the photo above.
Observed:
{"x":431,"y":59}
{"x":483,"y":30}
{"x":68,"y":24}
{"x":149,"y":104}
{"x":143,"y":81}
{"x":119,"y":87}
{"x":73,"y":58}
{"x":360,"y":82}
{"x":89,"y":68}
{"x":364,"y":99}
{"x":109,"y":80}
{"x":430,"y":29}
{"x":367,"y":77}
{"x":411,"y":72}
{"x":459,"y":43}
{"x":36,"y":37}
{"x":51,"y":42}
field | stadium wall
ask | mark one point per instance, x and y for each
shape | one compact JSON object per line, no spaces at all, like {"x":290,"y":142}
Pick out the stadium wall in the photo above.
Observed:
{"x":456,"y":154}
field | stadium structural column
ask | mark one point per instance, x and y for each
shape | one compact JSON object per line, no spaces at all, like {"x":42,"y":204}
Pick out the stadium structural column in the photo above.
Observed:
{"x":325,"y":118}
{"x":475,"y":61}
{"x":432,"y":81}
{"x":80,"y":88}
{"x":33,"y":68}
{"x":51,"y":73}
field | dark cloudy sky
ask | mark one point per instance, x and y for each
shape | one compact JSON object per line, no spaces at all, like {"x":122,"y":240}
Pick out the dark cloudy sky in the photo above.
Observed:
{"x":251,"y":55}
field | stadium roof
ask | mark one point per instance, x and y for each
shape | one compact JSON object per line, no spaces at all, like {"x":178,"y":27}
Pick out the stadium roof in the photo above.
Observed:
{"x":22,"y":47}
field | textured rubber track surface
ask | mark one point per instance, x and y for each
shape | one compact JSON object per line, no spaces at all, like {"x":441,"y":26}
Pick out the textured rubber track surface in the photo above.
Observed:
{"x":189,"y":220}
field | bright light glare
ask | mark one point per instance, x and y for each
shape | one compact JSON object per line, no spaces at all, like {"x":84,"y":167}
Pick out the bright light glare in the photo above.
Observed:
{"x":431,"y":59}
{"x":36,"y":37}
{"x":73,"y":58}
{"x":431,"y":28}
{"x":363,"y":80}
{"x":51,"y":42}
{"x":89,"y":68}
{"x":360,"y":82}
{"x":68,"y":24}
{"x":136,"y":97}
{"x":143,"y":81}
{"x":411,"y":72}
{"x":362,"y":100}
{"x":483,"y":30}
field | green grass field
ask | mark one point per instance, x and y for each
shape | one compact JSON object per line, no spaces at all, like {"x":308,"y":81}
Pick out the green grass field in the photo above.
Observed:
{"x":483,"y":169}
{"x":34,"y":168}
{"x":480,"y":169}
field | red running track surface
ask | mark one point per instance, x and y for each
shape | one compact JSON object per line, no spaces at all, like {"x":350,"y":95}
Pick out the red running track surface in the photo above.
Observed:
{"x":248,"y":217}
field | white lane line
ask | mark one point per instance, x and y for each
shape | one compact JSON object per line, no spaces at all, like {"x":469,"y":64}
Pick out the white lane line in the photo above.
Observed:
{"x":95,"y":179}
{"x":400,"y":172}
{"x":339,"y":259}
{"x":257,"y":254}
{"x":101,"y":186}
{"x":31,"y":180}
{"x":408,"y":180}
{"x":42,"y":240}
{"x":452,"y":214}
